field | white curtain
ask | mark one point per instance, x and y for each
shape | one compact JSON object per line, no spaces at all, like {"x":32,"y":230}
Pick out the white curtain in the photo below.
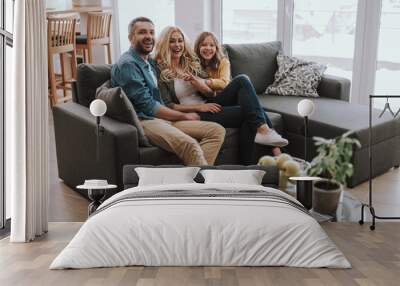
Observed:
{"x":27,"y":124}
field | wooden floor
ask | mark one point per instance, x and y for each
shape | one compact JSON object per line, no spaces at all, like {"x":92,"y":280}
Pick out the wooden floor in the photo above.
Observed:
{"x":375,"y":257}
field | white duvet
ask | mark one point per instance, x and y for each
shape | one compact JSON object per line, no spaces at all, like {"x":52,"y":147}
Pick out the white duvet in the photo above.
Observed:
{"x":200,"y":231}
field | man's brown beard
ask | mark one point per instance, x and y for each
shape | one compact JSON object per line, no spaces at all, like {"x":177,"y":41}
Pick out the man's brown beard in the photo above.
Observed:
{"x":141,"y":50}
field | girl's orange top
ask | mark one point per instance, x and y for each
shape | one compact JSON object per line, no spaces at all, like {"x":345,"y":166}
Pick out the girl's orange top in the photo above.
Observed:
{"x":220,"y":78}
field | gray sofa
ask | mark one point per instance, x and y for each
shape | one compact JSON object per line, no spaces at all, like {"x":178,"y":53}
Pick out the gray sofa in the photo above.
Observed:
{"x":334,"y":115}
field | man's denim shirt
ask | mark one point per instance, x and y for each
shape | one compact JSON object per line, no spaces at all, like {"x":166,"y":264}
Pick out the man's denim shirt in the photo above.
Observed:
{"x":132,"y":75}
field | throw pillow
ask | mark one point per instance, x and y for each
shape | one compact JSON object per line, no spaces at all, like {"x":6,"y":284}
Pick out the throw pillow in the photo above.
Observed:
{"x":120,"y":108}
{"x":247,"y":177}
{"x":166,"y":176}
{"x":296,"y":77}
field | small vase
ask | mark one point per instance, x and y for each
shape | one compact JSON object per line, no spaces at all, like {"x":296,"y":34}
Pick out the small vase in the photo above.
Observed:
{"x":325,"y":201}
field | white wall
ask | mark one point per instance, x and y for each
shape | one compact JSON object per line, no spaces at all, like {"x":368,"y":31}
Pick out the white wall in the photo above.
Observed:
{"x":190,"y":16}
{"x":161,"y":12}
{"x":195,"y":16}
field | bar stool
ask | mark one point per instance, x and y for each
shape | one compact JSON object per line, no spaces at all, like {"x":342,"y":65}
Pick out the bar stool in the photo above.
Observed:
{"x":98,"y":33}
{"x":61,"y":41}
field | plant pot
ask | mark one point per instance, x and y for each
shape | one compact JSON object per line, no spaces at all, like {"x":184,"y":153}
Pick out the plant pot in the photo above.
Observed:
{"x":326,"y":197}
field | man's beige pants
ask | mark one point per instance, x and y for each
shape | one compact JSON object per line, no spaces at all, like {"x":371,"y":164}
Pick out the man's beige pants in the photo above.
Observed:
{"x":194,"y":142}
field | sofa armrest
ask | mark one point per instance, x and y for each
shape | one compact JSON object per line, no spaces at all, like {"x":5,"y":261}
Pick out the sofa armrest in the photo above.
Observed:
{"x":334,"y":87}
{"x":75,"y":137}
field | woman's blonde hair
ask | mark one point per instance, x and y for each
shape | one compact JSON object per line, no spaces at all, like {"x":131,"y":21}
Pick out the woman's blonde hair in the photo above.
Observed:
{"x":216,"y":59}
{"x":189,"y":62}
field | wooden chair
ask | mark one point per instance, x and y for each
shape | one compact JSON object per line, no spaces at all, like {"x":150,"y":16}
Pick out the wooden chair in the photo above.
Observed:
{"x":98,"y":33}
{"x":61,"y":41}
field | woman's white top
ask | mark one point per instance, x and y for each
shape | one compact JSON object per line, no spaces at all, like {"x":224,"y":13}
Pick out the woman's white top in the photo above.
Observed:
{"x":186,"y":93}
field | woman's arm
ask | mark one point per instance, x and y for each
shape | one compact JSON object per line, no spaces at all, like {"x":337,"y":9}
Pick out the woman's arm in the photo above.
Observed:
{"x":203,"y":107}
{"x":199,"y":84}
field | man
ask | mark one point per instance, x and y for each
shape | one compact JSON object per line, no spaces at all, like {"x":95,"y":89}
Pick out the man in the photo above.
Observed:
{"x":194,"y":142}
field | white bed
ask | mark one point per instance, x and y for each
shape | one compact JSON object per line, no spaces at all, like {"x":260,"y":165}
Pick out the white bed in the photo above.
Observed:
{"x":206,"y":230}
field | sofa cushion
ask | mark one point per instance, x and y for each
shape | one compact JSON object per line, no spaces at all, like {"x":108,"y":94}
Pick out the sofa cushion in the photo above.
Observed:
{"x":296,"y":77}
{"x":332,"y":118}
{"x":258,"y":61}
{"x":89,"y":78}
{"x":120,"y":108}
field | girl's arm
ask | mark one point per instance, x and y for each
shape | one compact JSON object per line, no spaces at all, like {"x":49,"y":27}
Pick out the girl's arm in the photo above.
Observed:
{"x":223,"y":76}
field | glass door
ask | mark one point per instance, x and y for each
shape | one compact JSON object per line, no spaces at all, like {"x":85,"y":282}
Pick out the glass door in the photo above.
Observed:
{"x":388,"y":62}
{"x":324,"y":32}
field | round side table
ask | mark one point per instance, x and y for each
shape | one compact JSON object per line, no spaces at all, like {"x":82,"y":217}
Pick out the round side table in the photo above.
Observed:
{"x":304,"y":190}
{"x":96,"y":194}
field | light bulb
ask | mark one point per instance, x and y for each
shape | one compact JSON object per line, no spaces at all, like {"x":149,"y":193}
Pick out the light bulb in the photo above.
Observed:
{"x":98,"y":107}
{"x":305,"y":107}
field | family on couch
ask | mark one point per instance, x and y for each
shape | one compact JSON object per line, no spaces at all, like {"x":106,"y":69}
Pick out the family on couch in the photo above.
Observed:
{"x":184,"y":95}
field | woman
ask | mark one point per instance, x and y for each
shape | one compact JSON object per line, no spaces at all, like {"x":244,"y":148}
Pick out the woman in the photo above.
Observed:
{"x":183,"y":86}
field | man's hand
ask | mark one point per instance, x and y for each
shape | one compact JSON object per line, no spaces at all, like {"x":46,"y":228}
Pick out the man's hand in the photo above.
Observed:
{"x":209,"y":107}
{"x":190,"y":116}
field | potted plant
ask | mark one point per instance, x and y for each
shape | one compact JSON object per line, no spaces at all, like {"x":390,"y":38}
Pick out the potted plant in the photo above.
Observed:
{"x":333,"y":164}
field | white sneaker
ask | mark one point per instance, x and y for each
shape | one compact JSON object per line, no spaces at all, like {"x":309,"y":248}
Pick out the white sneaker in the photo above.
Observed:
{"x":271,"y":138}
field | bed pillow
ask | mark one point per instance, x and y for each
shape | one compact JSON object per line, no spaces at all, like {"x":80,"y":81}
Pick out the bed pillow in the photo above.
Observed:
{"x":248,"y":177}
{"x":166,"y":176}
{"x":296,"y":77}
{"x":120,"y":108}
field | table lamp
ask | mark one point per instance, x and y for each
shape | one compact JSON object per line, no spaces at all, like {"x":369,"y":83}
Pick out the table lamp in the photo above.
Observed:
{"x":305,"y":108}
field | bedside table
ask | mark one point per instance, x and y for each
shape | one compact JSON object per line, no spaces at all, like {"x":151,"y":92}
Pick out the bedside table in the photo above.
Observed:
{"x":304,"y":190}
{"x":96,"y":191}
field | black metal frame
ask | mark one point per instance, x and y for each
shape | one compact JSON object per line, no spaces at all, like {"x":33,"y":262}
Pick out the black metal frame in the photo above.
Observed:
{"x":6,"y":39}
{"x":369,"y":205}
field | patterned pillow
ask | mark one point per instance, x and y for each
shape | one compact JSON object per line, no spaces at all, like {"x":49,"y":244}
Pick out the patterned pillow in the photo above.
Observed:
{"x":296,"y":77}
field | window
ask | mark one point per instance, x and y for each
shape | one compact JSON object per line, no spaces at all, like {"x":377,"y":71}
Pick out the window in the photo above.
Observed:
{"x":324,"y":31}
{"x":6,"y":42}
{"x":250,"y":21}
{"x":388,"y":62}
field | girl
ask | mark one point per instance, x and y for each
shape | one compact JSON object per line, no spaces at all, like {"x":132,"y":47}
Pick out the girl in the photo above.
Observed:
{"x":239,"y":90}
